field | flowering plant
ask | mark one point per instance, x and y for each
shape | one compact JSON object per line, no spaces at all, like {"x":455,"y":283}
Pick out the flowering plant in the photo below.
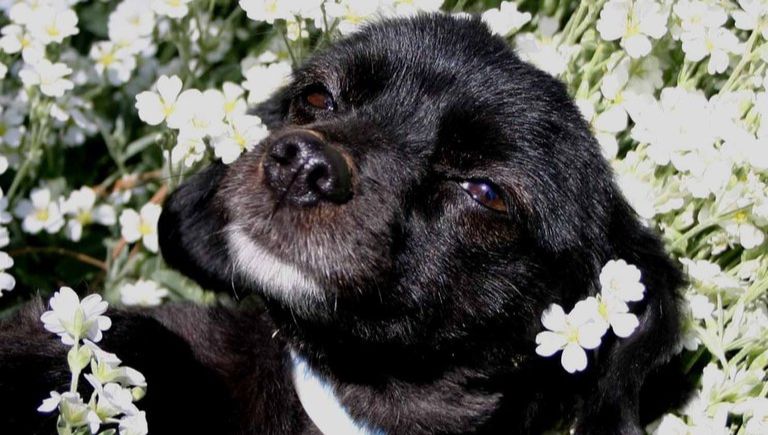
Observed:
{"x":107,"y":106}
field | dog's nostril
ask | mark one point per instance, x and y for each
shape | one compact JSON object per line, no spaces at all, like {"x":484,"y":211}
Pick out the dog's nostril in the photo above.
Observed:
{"x":284,"y":153}
{"x":318,"y":178}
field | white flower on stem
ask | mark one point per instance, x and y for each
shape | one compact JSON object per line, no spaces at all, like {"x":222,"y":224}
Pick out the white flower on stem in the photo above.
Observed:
{"x":506,"y":19}
{"x":145,"y":293}
{"x":112,"y":399}
{"x":7,"y":281}
{"x":16,"y":39}
{"x":106,"y":368}
{"x":634,"y":23}
{"x":750,"y":14}
{"x":141,"y":226}
{"x":200,"y":114}
{"x":50,"y":77}
{"x":134,"y":424}
{"x":261,"y":81}
{"x":112,"y":62}
{"x":570,"y":333}
{"x":82,"y":210}
{"x":73,"y":319}
{"x":267,"y":10}
{"x":234,"y":100}
{"x":614,"y":313}
{"x":544,"y":52}
{"x":39,"y":212}
{"x":131,"y":19}
{"x":171,"y":8}
{"x":716,"y":42}
{"x":50,"y":25}
{"x":700,"y":306}
{"x":73,"y":410}
{"x":352,"y":13}
{"x":156,"y":107}
{"x":243,"y":132}
{"x":11,"y":126}
{"x":189,"y":149}
{"x":696,"y":15}
{"x":622,"y":281}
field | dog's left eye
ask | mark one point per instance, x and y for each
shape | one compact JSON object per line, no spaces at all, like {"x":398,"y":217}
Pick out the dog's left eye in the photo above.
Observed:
{"x":485,"y":193}
{"x":319,"y":99}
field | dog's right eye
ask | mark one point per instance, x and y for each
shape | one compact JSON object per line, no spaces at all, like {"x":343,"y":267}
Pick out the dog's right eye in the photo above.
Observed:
{"x":319,"y":98}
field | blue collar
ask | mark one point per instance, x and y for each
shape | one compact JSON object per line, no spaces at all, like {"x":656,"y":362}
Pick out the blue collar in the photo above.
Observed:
{"x":321,"y":404}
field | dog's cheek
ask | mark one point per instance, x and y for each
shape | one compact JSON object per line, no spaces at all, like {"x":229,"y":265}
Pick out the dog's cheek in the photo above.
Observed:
{"x":190,"y":230}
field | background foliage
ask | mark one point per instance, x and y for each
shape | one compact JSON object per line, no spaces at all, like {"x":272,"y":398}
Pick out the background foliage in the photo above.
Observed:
{"x":675,"y":91}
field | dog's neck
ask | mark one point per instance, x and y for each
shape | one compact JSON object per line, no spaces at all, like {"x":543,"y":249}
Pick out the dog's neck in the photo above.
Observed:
{"x":321,"y":403}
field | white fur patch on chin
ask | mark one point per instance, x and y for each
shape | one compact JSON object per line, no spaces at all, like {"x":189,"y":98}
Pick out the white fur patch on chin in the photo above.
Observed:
{"x":276,"y":277}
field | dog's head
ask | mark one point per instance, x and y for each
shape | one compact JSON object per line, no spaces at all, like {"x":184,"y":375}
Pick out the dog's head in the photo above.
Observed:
{"x":420,"y":184}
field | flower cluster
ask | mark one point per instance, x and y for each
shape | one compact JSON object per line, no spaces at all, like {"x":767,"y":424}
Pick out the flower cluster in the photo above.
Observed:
{"x":79,"y":324}
{"x":585,"y":325}
{"x":105,"y":107}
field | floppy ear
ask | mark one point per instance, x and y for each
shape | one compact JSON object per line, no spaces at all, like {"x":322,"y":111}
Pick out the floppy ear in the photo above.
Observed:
{"x":624,"y":364}
{"x":190,"y":230}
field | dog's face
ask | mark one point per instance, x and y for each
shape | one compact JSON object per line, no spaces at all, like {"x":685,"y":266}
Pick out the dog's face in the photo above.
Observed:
{"x":420,"y":183}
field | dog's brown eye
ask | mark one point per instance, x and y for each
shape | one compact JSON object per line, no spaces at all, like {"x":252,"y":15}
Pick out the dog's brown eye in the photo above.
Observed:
{"x":320,"y":99}
{"x":485,"y":194}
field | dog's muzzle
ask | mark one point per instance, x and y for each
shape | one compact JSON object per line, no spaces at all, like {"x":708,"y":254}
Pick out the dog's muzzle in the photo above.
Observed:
{"x":302,"y":169}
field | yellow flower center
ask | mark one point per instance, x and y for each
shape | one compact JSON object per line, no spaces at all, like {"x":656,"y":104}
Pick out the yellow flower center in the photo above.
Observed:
{"x":168,"y":109}
{"x":174,"y":3}
{"x":42,"y":215}
{"x":145,"y":229}
{"x":107,"y":59}
{"x":741,"y":217}
{"x":85,"y":217}
{"x":229,"y":106}
{"x":602,"y":309}
{"x":52,"y":31}
{"x":572,"y":335}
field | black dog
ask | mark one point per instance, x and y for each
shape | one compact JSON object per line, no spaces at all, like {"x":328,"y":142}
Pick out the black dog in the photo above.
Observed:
{"x":423,"y":197}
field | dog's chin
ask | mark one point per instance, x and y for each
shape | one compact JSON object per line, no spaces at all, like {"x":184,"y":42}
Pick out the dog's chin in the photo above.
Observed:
{"x":275,"y":277}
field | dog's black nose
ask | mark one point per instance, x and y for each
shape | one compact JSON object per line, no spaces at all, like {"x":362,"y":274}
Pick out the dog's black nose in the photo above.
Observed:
{"x":302,"y":169}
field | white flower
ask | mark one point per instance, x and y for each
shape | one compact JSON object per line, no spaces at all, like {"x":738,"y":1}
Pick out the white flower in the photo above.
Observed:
{"x":752,"y":11}
{"x":3,"y":70}
{"x":506,"y":19}
{"x":7,"y":281}
{"x":141,"y":226}
{"x":49,"y":76}
{"x":142,"y":293}
{"x":634,"y":22}
{"x":73,"y":410}
{"x":134,"y":424}
{"x":39,"y":213}
{"x":80,"y":207}
{"x":234,"y":101}
{"x":267,"y":10}
{"x":242,"y":134}
{"x":50,"y":25}
{"x":621,"y":280}
{"x":106,"y":368}
{"x":17,"y":39}
{"x":697,"y":15}
{"x":544,"y":52}
{"x":11,"y":126}
{"x":199,"y":114}
{"x":189,"y":149}
{"x":111,"y":61}
{"x":715,"y":42}
{"x":612,"y":311}
{"x":130,"y":21}
{"x":701,"y":307}
{"x":73,"y":319}
{"x":171,"y":8}
{"x":156,"y":107}
{"x":261,"y":81}
{"x":571,"y":334}
{"x":352,"y":13}
{"x":113,"y":399}
{"x":412,"y":7}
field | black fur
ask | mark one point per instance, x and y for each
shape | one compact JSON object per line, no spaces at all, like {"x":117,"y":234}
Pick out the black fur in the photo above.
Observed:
{"x":430,"y":302}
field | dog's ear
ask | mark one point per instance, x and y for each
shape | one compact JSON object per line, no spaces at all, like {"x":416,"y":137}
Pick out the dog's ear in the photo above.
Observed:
{"x":624,"y":364}
{"x":190,"y":230}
